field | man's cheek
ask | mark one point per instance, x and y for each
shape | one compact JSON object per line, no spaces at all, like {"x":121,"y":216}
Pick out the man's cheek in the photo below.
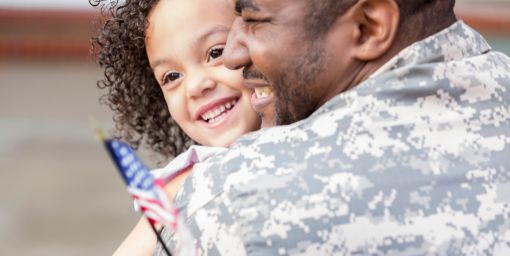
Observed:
{"x":264,"y":59}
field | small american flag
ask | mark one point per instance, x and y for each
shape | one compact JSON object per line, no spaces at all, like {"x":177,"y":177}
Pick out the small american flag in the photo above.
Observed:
{"x":150,"y":193}
{"x":151,"y":196}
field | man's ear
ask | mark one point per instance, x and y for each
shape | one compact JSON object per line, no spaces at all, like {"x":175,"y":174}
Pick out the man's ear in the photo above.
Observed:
{"x":377,"y":22}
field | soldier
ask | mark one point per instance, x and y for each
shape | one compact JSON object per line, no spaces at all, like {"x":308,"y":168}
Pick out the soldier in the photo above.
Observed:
{"x":395,"y":139}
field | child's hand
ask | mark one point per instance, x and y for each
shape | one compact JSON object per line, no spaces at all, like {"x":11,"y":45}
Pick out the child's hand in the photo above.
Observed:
{"x":142,"y":240}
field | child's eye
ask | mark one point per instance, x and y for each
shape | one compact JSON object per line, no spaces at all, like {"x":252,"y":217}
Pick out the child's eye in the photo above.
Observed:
{"x":215,"y":53}
{"x":171,"y":76}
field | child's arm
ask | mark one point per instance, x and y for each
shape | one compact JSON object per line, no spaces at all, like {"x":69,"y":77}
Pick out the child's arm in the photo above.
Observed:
{"x":142,"y":240}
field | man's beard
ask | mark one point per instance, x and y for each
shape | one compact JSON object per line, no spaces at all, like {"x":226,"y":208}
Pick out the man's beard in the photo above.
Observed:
{"x":295,"y":97}
{"x":294,"y":89}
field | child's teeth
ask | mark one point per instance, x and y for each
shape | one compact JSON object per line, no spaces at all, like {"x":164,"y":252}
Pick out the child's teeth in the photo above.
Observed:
{"x":218,"y":113}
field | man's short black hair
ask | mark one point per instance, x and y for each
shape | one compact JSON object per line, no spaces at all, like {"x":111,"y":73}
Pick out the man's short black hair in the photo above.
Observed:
{"x":418,"y":18}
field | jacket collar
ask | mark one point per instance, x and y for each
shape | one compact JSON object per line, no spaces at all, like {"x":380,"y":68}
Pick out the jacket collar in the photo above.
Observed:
{"x":456,"y":42}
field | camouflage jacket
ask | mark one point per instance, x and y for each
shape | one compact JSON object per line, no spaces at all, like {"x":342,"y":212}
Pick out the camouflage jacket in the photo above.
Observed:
{"x":413,"y":161}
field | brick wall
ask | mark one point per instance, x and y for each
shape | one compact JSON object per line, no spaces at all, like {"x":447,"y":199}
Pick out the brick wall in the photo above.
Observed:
{"x":28,"y":34}
{"x":45,"y":34}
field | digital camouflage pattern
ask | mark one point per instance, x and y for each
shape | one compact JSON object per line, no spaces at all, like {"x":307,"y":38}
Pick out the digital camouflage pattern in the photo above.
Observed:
{"x":413,"y":161}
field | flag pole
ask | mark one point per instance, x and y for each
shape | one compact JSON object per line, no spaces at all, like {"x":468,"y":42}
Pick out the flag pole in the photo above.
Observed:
{"x":160,"y":240}
{"x":101,"y":136}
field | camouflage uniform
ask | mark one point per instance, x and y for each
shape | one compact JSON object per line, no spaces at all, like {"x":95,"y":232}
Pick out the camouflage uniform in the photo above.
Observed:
{"x":413,"y":161}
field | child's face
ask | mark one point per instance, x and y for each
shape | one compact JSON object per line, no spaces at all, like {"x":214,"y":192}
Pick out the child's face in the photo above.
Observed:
{"x":184,"y":42}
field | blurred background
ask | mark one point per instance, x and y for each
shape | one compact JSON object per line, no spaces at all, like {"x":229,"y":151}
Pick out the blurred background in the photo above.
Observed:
{"x":59,"y":192}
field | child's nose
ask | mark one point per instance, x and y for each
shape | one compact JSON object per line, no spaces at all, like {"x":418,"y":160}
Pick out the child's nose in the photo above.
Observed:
{"x":197,"y":87}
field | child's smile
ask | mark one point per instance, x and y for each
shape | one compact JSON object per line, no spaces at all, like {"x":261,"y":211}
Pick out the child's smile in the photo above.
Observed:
{"x":216,"y":111}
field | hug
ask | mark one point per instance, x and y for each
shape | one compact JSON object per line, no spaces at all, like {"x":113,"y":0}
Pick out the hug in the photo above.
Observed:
{"x":315,"y":127}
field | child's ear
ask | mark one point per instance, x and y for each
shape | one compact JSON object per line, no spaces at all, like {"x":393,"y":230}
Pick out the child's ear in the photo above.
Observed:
{"x":377,"y":22}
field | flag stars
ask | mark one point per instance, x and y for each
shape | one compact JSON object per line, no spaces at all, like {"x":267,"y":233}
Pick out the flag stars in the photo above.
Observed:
{"x":127,"y":160}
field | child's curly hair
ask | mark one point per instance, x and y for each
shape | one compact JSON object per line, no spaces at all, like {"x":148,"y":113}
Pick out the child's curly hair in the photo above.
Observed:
{"x":141,"y":113}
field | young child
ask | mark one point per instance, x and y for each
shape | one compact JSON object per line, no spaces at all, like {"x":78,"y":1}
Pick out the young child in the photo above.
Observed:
{"x":168,"y":87}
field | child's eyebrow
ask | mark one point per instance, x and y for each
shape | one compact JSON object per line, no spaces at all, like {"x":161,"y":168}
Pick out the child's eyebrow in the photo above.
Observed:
{"x":157,"y":63}
{"x":200,"y":40}
{"x":211,"y":31}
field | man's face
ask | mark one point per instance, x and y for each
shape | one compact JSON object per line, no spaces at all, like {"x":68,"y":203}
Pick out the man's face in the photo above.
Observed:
{"x":269,"y":40}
